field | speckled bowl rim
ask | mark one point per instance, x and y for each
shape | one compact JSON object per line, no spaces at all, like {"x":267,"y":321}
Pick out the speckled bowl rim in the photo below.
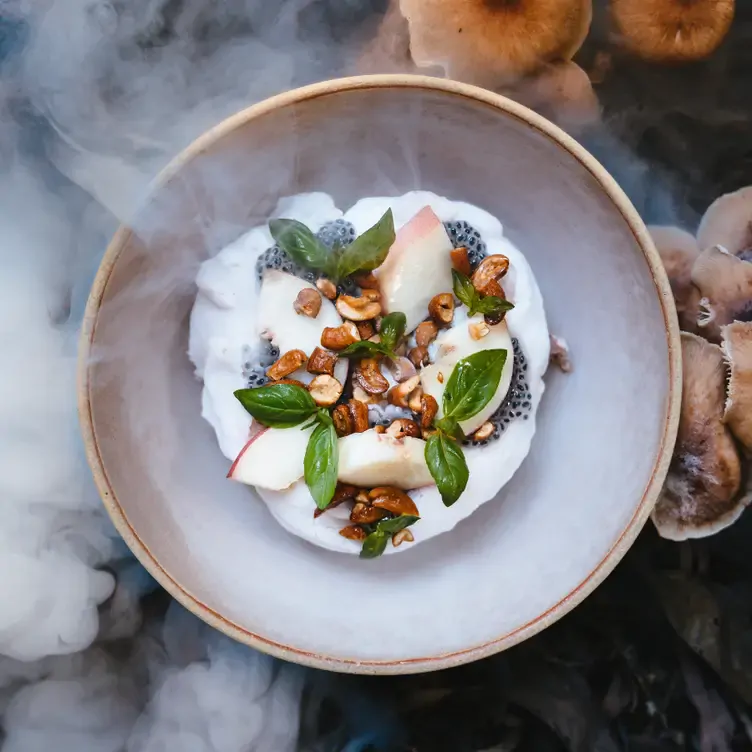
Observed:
{"x":617,"y":550}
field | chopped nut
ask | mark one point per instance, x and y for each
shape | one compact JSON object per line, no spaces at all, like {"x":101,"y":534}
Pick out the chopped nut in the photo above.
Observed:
{"x":322,"y":361}
{"x":440,"y":377}
{"x":393,"y":500}
{"x":338,"y":338}
{"x":359,"y":415}
{"x":288,"y":363}
{"x":365,"y":514}
{"x":425,"y":333}
{"x":484,"y":432}
{"x":366,"y":281}
{"x":366,"y":329}
{"x":353,"y":532}
{"x":342,"y":493}
{"x":327,"y":288}
{"x":325,"y":390}
{"x":428,"y":409}
{"x":343,"y":422}
{"x":399,"y":395}
{"x":363,"y":497}
{"x":358,"y":309}
{"x":308,"y":303}
{"x":490,"y":269}
{"x":401,"y":369}
{"x":493,"y":288}
{"x":478,"y":330}
{"x":414,"y":403}
{"x":379,"y":429}
{"x":402,"y":428}
{"x":441,"y":308}
{"x":369,"y":378}
{"x":418,"y":356}
{"x":371,"y":294}
{"x":362,"y":395}
{"x":461,"y":261}
{"x":403,"y":536}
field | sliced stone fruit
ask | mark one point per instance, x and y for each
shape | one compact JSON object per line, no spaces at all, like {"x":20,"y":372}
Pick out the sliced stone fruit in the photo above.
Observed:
{"x":737,"y":344}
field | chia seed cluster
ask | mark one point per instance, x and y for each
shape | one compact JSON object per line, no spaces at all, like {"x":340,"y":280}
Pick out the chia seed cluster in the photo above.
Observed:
{"x":338,"y":233}
{"x":256,"y":362}
{"x":464,"y":235}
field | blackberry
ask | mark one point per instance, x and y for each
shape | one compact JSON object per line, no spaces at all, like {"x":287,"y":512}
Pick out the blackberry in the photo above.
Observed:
{"x":339,"y":232}
{"x":464,"y":235}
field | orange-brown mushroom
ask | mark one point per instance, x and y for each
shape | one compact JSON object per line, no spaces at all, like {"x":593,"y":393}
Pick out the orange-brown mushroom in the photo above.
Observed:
{"x":494,"y":42}
{"x":672,"y":30}
{"x":700,"y":496}
{"x":737,"y":344}
{"x":728,"y":223}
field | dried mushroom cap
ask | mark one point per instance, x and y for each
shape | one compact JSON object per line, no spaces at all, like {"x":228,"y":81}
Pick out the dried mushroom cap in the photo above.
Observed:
{"x":672,"y":30}
{"x":725,"y":286}
{"x":737,"y":344}
{"x":728,"y":223}
{"x":699,"y":496}
{"x":678,"y":250}
{"x":495,"y":42}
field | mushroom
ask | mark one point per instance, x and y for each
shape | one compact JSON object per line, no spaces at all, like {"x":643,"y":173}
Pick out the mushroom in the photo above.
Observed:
{"x":728,"y":223}
{"x":699,"y":496}
{"x":679,"y":251}
{"x":672,"y":30}
{"x":737,"y":345}
{"x":495,"y":42}
{"x":725,"y":285}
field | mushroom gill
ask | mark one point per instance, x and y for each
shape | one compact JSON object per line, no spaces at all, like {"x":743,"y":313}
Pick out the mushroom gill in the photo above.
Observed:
{"x":725,"y":285}
{"x":728,"y":223}
{"x":495,"y":42}
{"x":737,"y":344}
{"x":672,"y":30}
{"x":699,"y":496}
{"x":679,"y":251}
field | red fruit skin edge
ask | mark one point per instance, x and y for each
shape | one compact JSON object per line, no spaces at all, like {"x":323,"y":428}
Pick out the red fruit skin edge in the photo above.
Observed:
{"x":244,"y":449}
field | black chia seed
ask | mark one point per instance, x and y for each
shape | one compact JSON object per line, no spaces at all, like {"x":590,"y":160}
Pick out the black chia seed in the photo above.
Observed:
{"x":464,"y":235}
{"x":339,"y":232}
{"x":255,"y":363}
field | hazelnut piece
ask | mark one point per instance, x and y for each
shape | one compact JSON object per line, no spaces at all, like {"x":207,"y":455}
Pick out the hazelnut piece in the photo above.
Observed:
{"x":358,"y":309}
{"x":308,"y":303}
{"x":288,"y":363}
{"x":425,"y":333}
{"x":338,"y":338}
{"x":368,"y":376}
{"x":321,"y":361}
{"x":441,"y":308}
{"x":325,"y":390}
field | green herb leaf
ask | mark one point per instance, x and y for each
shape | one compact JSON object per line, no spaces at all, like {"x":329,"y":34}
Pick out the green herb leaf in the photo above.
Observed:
{"x":464,"y":290}
{"x":395,"y":524}
{"x":392,"y":329}
{"x":320,"y":464}
{"x":366,"y":349}
{"x":450,"y":427}
{"x":369,"y":250}
{"x":492,"y":304}
{"x":473,"y":383}
{"x":447,"y":465}
{"x":300,"y":244}
{"x":278,"y":405}
{"x":375,"y":543}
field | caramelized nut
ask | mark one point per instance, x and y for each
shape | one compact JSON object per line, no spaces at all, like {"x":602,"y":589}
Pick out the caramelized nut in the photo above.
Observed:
{"x":359,"y":415}
{"x":441,"y":308}
{"x":343,"y":422}
{"x":461,"y":261}
{"x":418,"y":356}
{"x":493,"y":288}
{"x":342,"y":493}
{"x":325,"y":390}
{"x":478,"y":330}
{"x":327,"y":288}
{"x":402,"y":428}
{"x":414,"y":402}
{"x":365,"y":514}
{"x":401,"y":369}
{"x":399,"y":395}
{"x":484,"y":432}
{"x":490,"y":269}
{"x":379,"y":429}
{"x":425,"y":333}
{"x":322,"y":361}
{"x":369,"y":378}
{"x":440,"y":377}
{"x":366,"y":280}
{"x":357,"y":309}
{"x":363,"y":497}
{"x":402,"y":536}
{"x":353,"y":532}
{"x":294,"y":382}
{"x":428,"y":409}
{"x":371,"y":294}
{"x":393,"y":500}
{"x":308,"y":303}
{"x":366,"y":329}
{"x":338,"y":338}
{"x":288,"y":363}
{"x":362,"y":395}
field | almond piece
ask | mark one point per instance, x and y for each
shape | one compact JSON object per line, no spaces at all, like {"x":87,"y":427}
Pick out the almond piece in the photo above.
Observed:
{"x":441,"y":308}
{"x":402,"y":428}
{"x":393,"y":500}
{"x":308,"y":303}
{"x":359,"y":415}
{"x":327,"y":288}
{"x":322,"y":361}
{"x":353,"y":532}
{"x":484,"y":432}
{"x":490,"y":269}
{"x":461,"y":261}
{"x":343,"y":422}
{"x":338,"y":338}
{"x":325,"y":390}
{"x":288,"y":363}
{"x":402,"y":536}
{"x":358,"y":309}
{"x":369,"y":378}
{"x":478,"y":330}
{"x":425,"y":333}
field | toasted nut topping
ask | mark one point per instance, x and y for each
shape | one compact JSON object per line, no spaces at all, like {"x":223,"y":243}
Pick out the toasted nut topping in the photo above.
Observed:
{"x":440,"y":377}
{"x":294,"y":382}
{"x":401,"y":369}
{"x":366,"y":329}
{"x":365,"y":514}
{"x":321,"y":361}
{"x":428,"y":409}
{"x":340,"y":337}
{"x":491,"y":268}
{"x":478,"y":330}
{"x":393,"y":500}
{"x":342,"y":493}
{"x":402,"y":428}
{"x":359,"y":415}
{"x":403,"y":536}
{"x":325,"y":390}
{"x":461,"y":261}
{"x":379,"y":429}
{"x":493,"y":288}
{"x":327,"y":288}
{"x":399,"y":395}
{"x":425,"y":333}
{"x":414,"y":403}
{"x":366,"y":280}
{"x":353,"y":532}
{"x":288,"y":363}
{"x":362,"y":396}
{"x":308,"y":303}
{"x":369,"y":378}
{"x":343,"y":422}
{"x":484,"y":432}
{"x":371,"y":294}
{"x":362,"y":497}
{"x":357,"y":309}
{"x":441,"y":308}
{"x":418,"y":356}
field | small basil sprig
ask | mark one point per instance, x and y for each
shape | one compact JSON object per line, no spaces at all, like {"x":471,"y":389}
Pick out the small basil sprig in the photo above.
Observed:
{"x":369,"y":250}
{"x":390,"y":333}
{"x":375,"y":543}
{"x":301,"y":245}
{"x":321,"y":461}
{"x":471,"y":386}
{"x":466,"y":293}
{"x":278,"y":405}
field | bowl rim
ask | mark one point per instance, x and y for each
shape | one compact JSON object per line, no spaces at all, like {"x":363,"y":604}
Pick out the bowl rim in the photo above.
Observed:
{"x":619,"y":547}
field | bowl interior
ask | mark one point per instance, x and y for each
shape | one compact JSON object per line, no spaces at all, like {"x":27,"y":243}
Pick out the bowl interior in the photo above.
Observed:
{"x":521,"y":560}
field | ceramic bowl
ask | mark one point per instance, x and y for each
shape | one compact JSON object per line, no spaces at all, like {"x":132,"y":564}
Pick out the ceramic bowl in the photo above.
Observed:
{"x":605,"y":432}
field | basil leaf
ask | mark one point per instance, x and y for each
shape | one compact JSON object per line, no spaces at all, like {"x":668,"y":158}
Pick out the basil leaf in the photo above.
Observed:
{"x":392,"y":329}
{"x":300,"y":244}
{"x":450,"y":427}
{"x":492,"y":304}
{"x":473,"y":383}
{"x":375,"y":543}
{"x":278,"y":405}
{"x":369,"y":250}
{"x":395,"y":524}
{"x":447,"y":465}
{"x":464,"y":290}
{"x":320,"y":464}
{"x":366,"y":349}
